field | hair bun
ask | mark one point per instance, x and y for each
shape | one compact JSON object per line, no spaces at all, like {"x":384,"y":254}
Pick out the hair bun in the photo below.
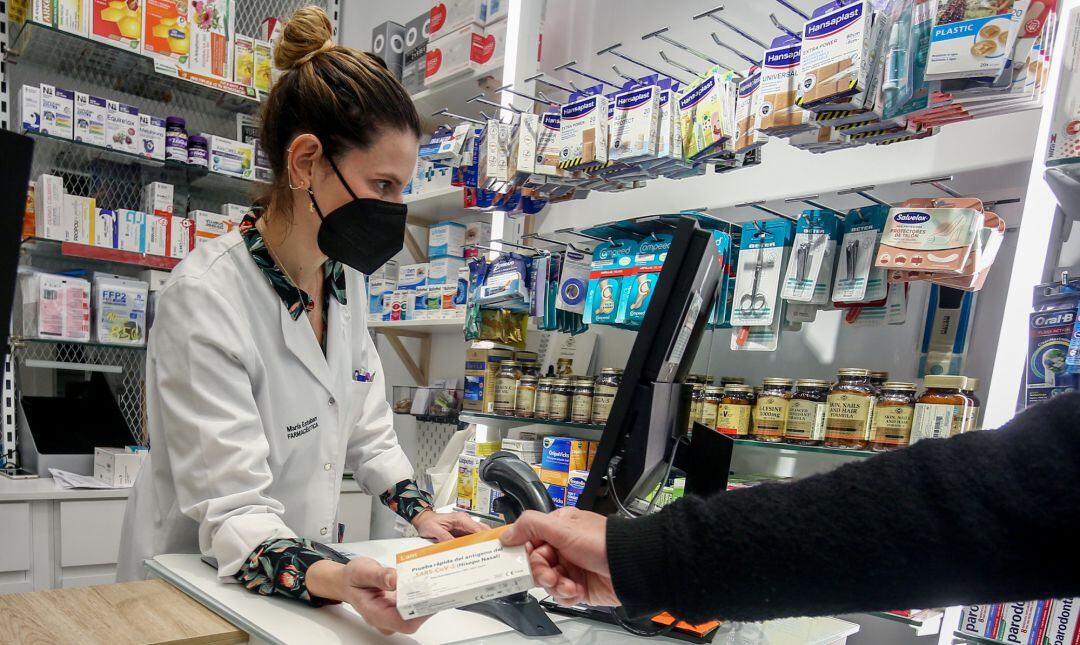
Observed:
{"x":307,"y":34}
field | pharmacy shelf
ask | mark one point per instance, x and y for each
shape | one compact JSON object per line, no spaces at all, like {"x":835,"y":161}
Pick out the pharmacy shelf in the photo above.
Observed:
{"x":787,"y":447}
{"x":52,"y":248}
{"x":19,"y":340}
{"x":968,"y":638}
{"x":436,"y":205}
{"x":926,"y":626}
{"x":1064,"y":180}
{"x":127,"y":70}
{"x":419,"y":326}
{"x":582,"y":430}
{"x":454,"y":93}
{"x":197,"y":176}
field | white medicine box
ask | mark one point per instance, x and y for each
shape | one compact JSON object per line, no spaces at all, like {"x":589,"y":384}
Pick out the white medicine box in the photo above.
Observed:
{"x":444,"y":271}
{"x":78,"y":213}
{"x":49,"y":207}
{"x":412,"y":276}
{"x":131,"y":231}
{"x":158,"y":198}
{"x":122,"y":127}
{"x":152,"y":136}
{"x":208,"y":225}
{"x":449,"y":15}
{"x":451,"y":54}
{"x":90,"y":119}
{"x":57,"y":111}
{"x":53,"y":307}
{"x":30,"y":108}
{"x":230,"y":157}
{"x":446,"y":239}
{"x":118,"y":467}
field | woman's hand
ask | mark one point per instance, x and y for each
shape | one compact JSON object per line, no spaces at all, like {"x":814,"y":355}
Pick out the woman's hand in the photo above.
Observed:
{"x":445,"y":526}
{"x":366,"y":585}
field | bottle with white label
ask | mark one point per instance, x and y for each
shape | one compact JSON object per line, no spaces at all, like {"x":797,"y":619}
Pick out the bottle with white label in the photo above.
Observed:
{"x":942,"y":409}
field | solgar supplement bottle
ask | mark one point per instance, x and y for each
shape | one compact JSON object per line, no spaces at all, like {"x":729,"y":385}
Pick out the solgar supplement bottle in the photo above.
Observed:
{"x":850,"y":410}
{"x":710,"y":407}
{"x":733,"y":417}
{"x":893,"y":415}
{"x":941,"y":410}
{"x":771,"y":410}
{"x":806,"y":413}
{"x":506,"y":380}
{"x":604,"y":394}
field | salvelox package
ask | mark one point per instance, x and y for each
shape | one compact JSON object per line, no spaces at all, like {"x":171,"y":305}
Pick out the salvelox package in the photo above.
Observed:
{"x":583,"y":132}
{"x":459,"y":572}
{"x":834,"y":52}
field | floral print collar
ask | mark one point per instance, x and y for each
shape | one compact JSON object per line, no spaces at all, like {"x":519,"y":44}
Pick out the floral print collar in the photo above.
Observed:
{"x":296,"y":300}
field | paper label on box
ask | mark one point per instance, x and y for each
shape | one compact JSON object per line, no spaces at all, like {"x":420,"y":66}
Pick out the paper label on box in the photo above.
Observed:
{"x":210,"y":49}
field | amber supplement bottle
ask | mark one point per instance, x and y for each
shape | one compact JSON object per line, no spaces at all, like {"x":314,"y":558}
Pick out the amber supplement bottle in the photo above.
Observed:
{"x":806,"y":413}
{"x":893,"y":415}
{"x":942,"y":409}
{"x":850,"y":410}
{"x":733,"y":416}
{"x":771,"y":410}
{"x":971,"y":392}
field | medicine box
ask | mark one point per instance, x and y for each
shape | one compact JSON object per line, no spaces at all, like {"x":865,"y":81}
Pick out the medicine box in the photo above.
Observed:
{"x":576,"y":486}
{"x":154,"y":278}
{"x":264,"y":65}
{"x":480,"y":367}
{"x":78,"y":212}
{"x":450,"y":54}
{"x":557,"y":494}
{"x":244,"y":61}
{"x":157,"y":233}
{"x":446,"y":239}
{"x":181,"y":237}
{"x":416,"y":42}
{"x":130,"y":229}
{"x":210,"y":49}
{"x":583,"y":132}
{"x":235,"y":213}
{"x":208,"y":225}
{"x":158,"y":198}
{"x":444,"y":271}
{"x":833,"y":61}
{"x":165,"y":32}
{"x":57,"y":111}
{"x":447,"y":16}
{"x":467,"y":479}
{"x":230,"y":157}
{"x":496,"y":10}
{"x":388,"y":43}
{"x":49,"y":215}
{"x":71,"y":15}
{"x":89,"y":122}
{"x":30,"y":107}
{"x":489,"y":46}
{"x":116,"y":23}
{"x":412,"y":276}
{"x":485,"y":499}
{"x":560,"y":456}
{"x":775,"y":98}
{"x":152,"y":136}
{"x":1063,"y":621}
{"x":477,"y":233}
{"x":118,"y":467}
{"x":1064,"y":140}
{"x":122,"y":127}
{"x":635,"y":124}
{"x":119,"y":310}
{"x":103,"y":228}
{"x":54,"y":307}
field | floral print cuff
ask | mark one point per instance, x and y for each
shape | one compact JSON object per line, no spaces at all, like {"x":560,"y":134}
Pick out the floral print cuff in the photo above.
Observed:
{"x":279,"y":566}
{"x":407,"y":499}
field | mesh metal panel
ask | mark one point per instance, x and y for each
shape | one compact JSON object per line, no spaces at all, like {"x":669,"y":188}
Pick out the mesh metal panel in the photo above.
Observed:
{"x":127,"y":385}
{"x":431,"y":440}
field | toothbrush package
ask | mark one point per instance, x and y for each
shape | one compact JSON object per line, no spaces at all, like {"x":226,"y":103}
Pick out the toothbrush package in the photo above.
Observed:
{"x":810,"y":270}
{"x":763,"y":252}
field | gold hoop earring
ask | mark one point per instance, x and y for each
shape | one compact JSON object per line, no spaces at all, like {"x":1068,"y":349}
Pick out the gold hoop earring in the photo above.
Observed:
{"x":291,"y":187}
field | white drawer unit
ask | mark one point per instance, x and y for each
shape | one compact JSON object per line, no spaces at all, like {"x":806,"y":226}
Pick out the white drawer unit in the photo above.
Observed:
{"x":15,"y":556}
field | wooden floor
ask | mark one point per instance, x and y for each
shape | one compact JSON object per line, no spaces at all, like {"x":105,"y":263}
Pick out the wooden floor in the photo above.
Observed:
{"x":129,"y":613}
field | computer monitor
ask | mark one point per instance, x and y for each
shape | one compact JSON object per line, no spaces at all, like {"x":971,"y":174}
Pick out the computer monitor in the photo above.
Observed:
{"x":17,"y":152}
{"x":649,"y":417}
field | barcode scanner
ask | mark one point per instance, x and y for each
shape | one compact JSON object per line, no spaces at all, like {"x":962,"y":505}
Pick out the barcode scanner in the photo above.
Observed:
{"x":520,"y":487}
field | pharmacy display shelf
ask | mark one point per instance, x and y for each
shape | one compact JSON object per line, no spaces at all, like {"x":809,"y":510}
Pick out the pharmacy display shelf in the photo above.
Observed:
{"x":419,"y":326}
{"x":52,"y":248}
{"x":88,"y":153}
{"x":786,"y":447}
{"x":20,"y":340}
{"x":927,"y":625}
{"x":436,"y":205}
{"x":581,"y":430}
{"x":970,"y":638}
{"x":453,"y":95}
{"x":127,"y":70}
{"x":1064,"y":180}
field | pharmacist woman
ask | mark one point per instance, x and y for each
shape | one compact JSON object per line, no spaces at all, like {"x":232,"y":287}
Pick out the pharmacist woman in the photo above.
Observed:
{"x":263,"y":385}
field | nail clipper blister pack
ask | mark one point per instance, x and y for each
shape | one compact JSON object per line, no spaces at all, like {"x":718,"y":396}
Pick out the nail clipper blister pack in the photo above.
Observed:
{"x":763,"y":252}
{"x":857,"y":279}
{"x":813,"y":254}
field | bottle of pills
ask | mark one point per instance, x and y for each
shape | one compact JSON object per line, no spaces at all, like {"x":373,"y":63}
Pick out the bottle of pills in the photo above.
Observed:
{"x":530,"y":362}
{"x":176,"y":139}
{"x":893,"y":415}
{"x":850,"y":410}
{"x":736,"y":408}
{"x":941,"y":410}
{"x":581,"y":405}
{"x":561,"y":394}
{"x":525,"y":396}
{"x":506,"y":380}
{"x":697,"y":400}
{"x":806,"y":413}
{"x":771,"y":410}
{"x":198,"y":152}
{"x":878,"y":380}
{"x":543,"y":397}
{"x":976,"y":405}
{"x":710,"y":406}
{"x":604,"y":394}
{"x":731,"y":380}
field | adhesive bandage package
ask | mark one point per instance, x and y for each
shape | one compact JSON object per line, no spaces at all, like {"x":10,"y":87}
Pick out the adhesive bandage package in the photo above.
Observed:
{"x":459,"y":572}
{"x":747,"y":137}
{"x":971,"y":38}
{"x":834,"y":56}
{"x":777,"y":113}
{"x":635,"y":125}
{"x":701,"y":113}
{"x":583,"y":132}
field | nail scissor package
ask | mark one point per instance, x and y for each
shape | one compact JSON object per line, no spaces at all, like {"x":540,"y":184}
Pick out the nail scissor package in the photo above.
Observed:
{"x":612,"y":262}
{"x":857,"y":280}
{"x":762,"y":254}
{"x":758,"y":339}
{"x":719,"y":314}
{"x":638,"y":288}
{"x":810,"y":269}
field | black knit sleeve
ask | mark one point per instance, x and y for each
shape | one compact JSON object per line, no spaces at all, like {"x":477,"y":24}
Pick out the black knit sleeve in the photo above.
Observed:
{"x":983,"y":517}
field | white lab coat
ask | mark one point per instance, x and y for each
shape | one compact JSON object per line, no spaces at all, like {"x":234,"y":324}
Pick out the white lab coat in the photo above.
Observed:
{"x":250,"y":425}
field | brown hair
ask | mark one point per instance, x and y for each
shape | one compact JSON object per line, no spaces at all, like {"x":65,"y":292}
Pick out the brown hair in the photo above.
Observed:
{"x":343,"y":96}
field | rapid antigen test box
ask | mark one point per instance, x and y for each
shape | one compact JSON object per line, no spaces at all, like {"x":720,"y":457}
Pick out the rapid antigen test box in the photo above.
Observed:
{"x":460,"y":572}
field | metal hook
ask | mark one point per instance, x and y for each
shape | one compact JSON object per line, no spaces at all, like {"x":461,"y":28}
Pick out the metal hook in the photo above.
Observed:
{"x":677,"y":64}
{"x":627,"y":77}
{"x":539,"y":78}
{"x":519,"y":246}
{"x":998,"y":202}
{"x":765,"y":209}
{"x":570,"y":67}
{"x":712,"y":14}
{"x":793,"y":9}
{"x":509,"y":90}
{"x":590,"y":237}
{"x":659,"y":33}
{"x":614,"y":51}
{"x":568,"y":245}
{"x":864,"y":192}
{"x":445,"y":112}
{"x":939,"y":183}
{"x":481,"y":98}
{"x":776,"y":23}
{"x":587,"y":91}
{"x":740,"y":54}
{"x":809,"y":201}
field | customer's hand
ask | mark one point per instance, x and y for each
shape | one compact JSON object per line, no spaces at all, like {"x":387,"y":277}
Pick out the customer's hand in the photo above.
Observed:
{"x":366,"y":585}
{"x":567,"y":555}
{"x":445,"y":526}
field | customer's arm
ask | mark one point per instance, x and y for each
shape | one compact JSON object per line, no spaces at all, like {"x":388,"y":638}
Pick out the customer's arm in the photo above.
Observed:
{"x":983,"y":517}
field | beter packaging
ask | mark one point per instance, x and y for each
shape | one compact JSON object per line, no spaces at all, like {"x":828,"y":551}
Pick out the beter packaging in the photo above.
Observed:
{"x":583,"y":132}
{"x":763,"y":250}
{"x":813,"y":254}
{"x":53,"y":307}
{"x":119,"y":306}
{"x":130,"y":231}
{"x":57,"y":111}
{"x":90,"y":114}
{"x":612,"y":262}
{"x":152,"y":136}
{"x":637,"y":289}
{"x":78,"y":211}
{"x":857,"y":279}
{"x":635,"y":125}
{"x":970,"y":38}
{"x":833,"y":62}
{"x":121,"y":127}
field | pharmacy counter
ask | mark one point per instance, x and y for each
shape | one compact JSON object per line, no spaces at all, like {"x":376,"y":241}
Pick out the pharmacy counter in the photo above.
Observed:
{"x":284,"y":621}
{"x":25,"y":490}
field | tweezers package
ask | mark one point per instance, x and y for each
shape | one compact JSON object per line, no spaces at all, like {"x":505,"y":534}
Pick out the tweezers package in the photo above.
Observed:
{"x":809,"y":272}
{"x":857,"y":280}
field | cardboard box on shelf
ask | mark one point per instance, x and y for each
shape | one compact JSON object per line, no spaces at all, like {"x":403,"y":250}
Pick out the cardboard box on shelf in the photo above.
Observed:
{"x":412,"y":276}
{"x":480,"y":367}
{"x":90,"y":116}
{"x":490,"y":46}
{"x":496,"y":10}
{"x":450,"y":55}
{"x":443,"y":271}
{"x":165,"y":30}
{"x":53,"y":307}
{"x":57,"y":111}
{"x":264,"y":65}
{"x":235,"y":213}
{"x":152,"y":136}
{"x":208,"y":225}
{"x":71,"y":15}
{"x":118,"y":467}
{"x":115,"y":22}
{"x":467,"y":479}
{"x":30,"y":107}
{"x":446,"y":239}
{"x":103,"y":228}
{"x":130,"y":231}
{"x":49,"y":207}
{"x":388,"y":43}
{"x":158,"y":227}
{"x":121,"y":127}
{"x":181,"y":237}
{"x":447,"y":16}
{"x":230,"y":157}
{"x":212,"y":28}
{"x":416,"y":42}
{"x":244,"y":60}
{"x":158,"y":198}
{"x":78,"y":212}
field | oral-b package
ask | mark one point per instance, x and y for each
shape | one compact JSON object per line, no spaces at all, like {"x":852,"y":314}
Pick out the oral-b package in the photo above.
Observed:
{"x":835,"y":49}
{"x":583,"y":132}
{"x":611,"y":263}
{"x":635,"y":124}
{"x":763,"y":251}
{"x":813,"y":254}
{"x":638,"y":289}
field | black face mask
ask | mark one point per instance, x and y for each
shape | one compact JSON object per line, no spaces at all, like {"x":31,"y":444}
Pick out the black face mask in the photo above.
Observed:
{"x":363,"y":233}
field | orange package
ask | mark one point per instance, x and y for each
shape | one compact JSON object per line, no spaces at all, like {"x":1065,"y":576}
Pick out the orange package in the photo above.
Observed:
{"x":165,"y":29}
